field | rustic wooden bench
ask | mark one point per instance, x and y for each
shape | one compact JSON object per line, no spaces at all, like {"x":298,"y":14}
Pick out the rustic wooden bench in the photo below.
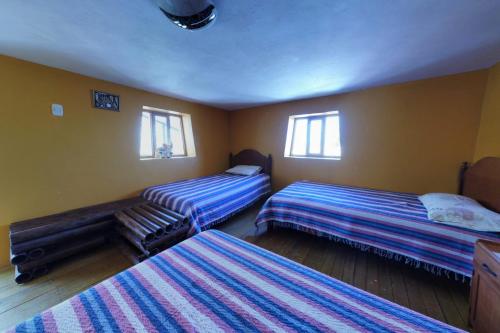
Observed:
{"x":149,"y":229}
{"x":37,"y":244}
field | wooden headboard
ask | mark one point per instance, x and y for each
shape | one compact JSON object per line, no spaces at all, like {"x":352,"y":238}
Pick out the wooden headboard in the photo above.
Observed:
{"x":482,"y":182}
{"x":252,"y":157}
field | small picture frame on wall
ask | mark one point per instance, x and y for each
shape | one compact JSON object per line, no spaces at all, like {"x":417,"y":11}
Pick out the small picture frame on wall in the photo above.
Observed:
{"x":105,"y":101}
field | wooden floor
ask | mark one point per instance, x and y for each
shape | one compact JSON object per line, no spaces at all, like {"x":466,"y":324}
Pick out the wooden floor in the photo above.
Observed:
{"x":421,"y":291}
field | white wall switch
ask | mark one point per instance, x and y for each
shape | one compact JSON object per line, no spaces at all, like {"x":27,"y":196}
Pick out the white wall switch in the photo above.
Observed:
{"x":57,"y":110}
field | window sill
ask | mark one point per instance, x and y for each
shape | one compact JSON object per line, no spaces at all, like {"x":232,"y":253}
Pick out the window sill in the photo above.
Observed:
{"x":315,"y":158}
{"x":162,"y":159}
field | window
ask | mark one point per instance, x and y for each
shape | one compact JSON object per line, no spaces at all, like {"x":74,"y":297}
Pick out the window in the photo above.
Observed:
{"x":314,"y":136}
{"x":159,"y":128}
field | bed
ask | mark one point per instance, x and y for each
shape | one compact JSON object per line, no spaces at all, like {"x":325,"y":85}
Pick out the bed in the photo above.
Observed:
{"x":390,"y":224}
{"x":214,"y":282}
{"x":207,"y":201}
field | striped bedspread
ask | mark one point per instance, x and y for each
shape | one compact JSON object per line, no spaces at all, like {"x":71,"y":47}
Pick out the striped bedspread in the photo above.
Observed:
{"x":216,"y":283}
{"x":388,"y":223}
{"x":207,"y":201}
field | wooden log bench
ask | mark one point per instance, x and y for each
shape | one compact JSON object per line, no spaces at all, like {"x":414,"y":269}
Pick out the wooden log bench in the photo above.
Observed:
{"x":38,"y":243}
{"x":149,"y":229}
{"x":139,"y":227}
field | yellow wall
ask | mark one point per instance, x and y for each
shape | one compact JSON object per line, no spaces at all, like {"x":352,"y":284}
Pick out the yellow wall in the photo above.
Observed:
{"x":405,"y":137}
{"x":488,"y":139}
{"x":89,"y":156}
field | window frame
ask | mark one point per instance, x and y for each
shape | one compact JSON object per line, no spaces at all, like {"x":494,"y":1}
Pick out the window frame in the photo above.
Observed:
{"x":167,"y":115}
{"x":310,"y":118}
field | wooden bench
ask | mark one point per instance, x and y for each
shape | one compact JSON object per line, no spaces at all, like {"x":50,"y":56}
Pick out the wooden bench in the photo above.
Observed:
{"x":149,"y":229}
{"x":38,"y":243}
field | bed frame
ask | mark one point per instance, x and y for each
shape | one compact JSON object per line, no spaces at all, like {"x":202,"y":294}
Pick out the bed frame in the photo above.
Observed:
{"x":481,"y":181}
{"x":252,"y":157}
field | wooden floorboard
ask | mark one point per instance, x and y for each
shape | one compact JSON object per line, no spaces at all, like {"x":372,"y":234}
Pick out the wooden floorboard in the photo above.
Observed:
{"x":360,"y":273}
{"x":461,"y":300}
{"x":372,"y":276}
{"x":437,"y":297}
{"x":20,"y":302}
{"x":399,"y":293}
{"x":450,"y":311}
{"x":412,"y":282}
{"x":384,"y":282}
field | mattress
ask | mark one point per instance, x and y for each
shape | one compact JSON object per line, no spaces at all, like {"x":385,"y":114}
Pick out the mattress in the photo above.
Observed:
{"x":388,"y":223}
{"x":207,"y":201}
{"x":214,"y":282}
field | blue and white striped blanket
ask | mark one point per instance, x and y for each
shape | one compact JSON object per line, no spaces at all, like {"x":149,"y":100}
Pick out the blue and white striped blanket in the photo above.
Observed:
{"x":207,"y":201}
{"x":214,"y":282}
{"x":388,"y":223}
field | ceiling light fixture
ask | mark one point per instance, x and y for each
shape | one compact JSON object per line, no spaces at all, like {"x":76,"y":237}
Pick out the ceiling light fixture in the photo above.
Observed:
{"x":189,"y":14}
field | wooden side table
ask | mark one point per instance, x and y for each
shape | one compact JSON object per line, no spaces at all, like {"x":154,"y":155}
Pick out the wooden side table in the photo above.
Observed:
{"x":484,"y":315}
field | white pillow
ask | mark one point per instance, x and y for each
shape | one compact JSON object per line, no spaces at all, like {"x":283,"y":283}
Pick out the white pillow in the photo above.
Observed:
{"x":460,"y":211}
{"x":245,"y":170}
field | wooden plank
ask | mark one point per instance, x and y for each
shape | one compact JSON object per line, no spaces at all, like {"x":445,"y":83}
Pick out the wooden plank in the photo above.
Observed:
{"x":360,"y":270}
{"x":29,"y":308}
{"x":317,"y":255}
{"x":338,"y":268}
{"x":332,"y":257}
{"x":372,"y":265}
{"x":271,"y":241}
{"x":107,"y":260}
{"x":299,"y":252}
{"x":384,"y":281}
{"x":433,"y":309}
{"x":349,"y":266}
{"x":63,"y":236}
{"x":65,"y":252}
{"x":460,"y":300}
{"x":160,"y":214}
{"x":156,"y":229}
{"x":399,"y":291}
{"x":15,"y":294}
{"x":166,"y":225}
{"x":282,"y":243}
{"x":143,"y":233}
{"x":173,"y":214}
{"x":168,"y":239}
{"x":415,"y":298}
{"x":25,"y":230}
{"x":448,"y":307}
{"x":75,"y":281}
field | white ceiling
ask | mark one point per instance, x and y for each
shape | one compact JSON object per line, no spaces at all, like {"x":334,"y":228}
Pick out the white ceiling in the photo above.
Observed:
{"x":257,"y":52}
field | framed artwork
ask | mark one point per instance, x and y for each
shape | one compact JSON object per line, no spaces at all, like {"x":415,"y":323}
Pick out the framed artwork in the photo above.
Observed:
{"x":105,"y":101}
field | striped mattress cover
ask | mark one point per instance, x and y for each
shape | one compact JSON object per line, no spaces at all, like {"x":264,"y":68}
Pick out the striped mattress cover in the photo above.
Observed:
{"x":207,"y":201}
{"x":214,"y":282}
{"x":388,"y":223}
